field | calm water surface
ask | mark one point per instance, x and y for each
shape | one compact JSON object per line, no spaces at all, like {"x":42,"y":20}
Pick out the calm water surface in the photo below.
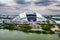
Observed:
{"x":19,"y":35}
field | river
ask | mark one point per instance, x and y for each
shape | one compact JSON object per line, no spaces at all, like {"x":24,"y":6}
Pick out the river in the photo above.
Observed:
{"x":19,"y":35}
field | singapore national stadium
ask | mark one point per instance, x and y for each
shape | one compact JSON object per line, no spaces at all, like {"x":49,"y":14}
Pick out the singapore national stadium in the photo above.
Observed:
{"x":30,"y":16}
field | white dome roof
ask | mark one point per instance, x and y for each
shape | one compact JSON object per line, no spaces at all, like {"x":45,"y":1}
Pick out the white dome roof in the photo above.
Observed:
{"x":23,"y":16}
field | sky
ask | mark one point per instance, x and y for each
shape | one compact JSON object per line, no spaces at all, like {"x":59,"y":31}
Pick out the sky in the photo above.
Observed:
{"x":16,"y":6}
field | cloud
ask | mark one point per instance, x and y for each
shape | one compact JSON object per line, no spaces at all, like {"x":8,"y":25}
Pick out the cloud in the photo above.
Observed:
{"x":15,"y":6}
{"x":45,"y":2}
{"x":28,"y":2}
{"x":8,"y":2}
{"x":31,"y":0}
{"x":20,"y":1}
{"x":2,"y":4}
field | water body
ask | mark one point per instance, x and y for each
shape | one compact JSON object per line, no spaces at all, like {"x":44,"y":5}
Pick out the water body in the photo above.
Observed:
{"x":19,"y":35}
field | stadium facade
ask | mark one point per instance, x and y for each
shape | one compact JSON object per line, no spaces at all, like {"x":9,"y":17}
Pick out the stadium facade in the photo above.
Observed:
{"x":29,"y":16}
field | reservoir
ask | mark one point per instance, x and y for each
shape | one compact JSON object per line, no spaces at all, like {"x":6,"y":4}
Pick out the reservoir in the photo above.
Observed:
{"x":19,"y":35}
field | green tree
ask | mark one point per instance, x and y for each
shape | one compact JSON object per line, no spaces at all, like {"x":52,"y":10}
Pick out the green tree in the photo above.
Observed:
{"x":47,"y":26}
{"x":10,"y":26}
{"x":26,"y":27}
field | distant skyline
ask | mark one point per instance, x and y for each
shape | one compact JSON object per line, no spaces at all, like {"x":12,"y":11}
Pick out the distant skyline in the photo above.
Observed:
{"x":14,"y":6}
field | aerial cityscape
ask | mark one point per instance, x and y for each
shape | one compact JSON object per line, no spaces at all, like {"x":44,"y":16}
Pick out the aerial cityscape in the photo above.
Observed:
{"x":29,"y":19}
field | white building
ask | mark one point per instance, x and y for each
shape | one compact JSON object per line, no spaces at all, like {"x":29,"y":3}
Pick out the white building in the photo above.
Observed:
{"x":29,"y":16}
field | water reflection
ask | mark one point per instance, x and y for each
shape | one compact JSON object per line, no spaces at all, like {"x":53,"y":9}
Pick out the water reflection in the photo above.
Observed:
{"x":19,"y":35}
{"x":59,"y":35}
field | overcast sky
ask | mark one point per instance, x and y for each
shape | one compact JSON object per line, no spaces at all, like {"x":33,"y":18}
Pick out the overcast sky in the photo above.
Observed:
{"x":13,"y":6}
{"x":25,"y":2}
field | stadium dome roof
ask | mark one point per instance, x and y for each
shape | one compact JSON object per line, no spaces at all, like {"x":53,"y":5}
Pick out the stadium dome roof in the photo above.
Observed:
{"x":28,"y":16}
